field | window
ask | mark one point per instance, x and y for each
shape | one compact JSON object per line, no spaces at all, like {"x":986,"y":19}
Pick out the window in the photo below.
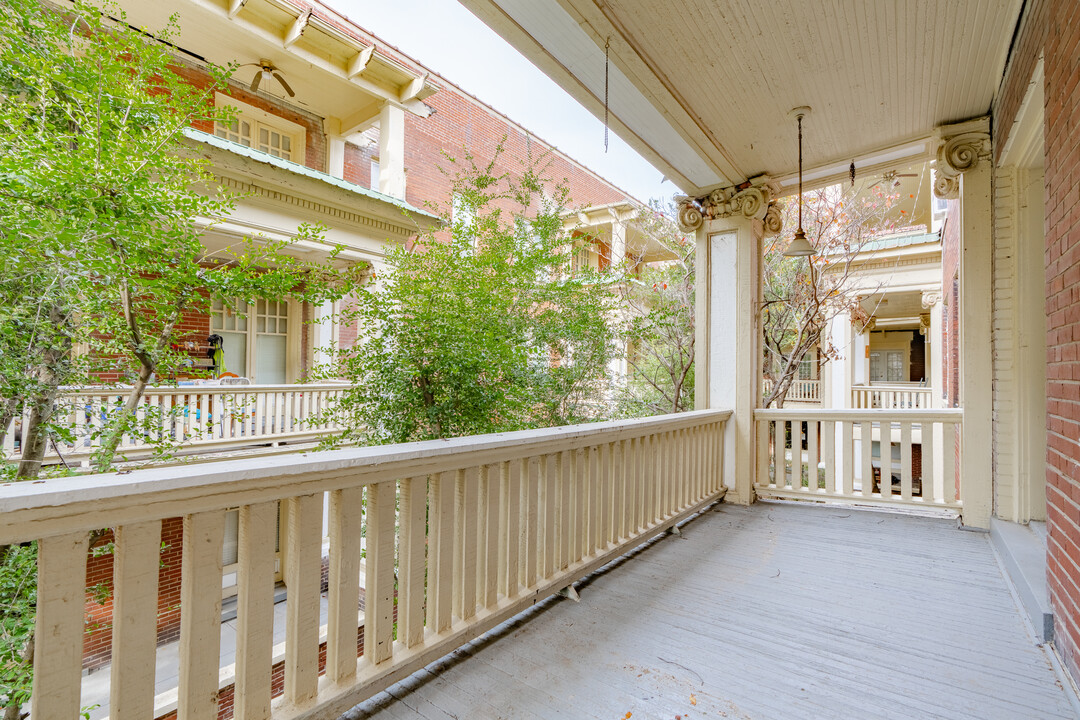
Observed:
{"x":258,"y":129}
{"x":374,"y":175}
{"x":255,"y":339}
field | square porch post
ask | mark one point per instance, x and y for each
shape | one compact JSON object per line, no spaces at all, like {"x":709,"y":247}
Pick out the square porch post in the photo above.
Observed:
{"x":727,"y":335}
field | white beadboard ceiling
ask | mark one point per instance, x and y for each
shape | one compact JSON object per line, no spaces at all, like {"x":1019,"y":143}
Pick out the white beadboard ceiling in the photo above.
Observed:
{"x":703,"y":87}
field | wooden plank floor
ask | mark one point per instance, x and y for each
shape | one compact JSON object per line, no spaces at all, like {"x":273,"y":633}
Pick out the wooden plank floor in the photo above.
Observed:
{"x":771,"y":611}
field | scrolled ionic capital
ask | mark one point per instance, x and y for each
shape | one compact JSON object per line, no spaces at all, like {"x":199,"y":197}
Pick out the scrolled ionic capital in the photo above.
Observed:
{"x":690,"y":215}
{"x":773,"y":221}
{"x":956,"y":154}
{"x":752,"y":200}
{"x":930,"y":299}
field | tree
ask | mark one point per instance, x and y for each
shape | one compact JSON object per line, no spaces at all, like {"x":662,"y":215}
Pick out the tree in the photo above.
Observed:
{"x":484,"y":331}
{"x":658,"y":305}
{"x":800,"y":296}
{"x":100,"y":200}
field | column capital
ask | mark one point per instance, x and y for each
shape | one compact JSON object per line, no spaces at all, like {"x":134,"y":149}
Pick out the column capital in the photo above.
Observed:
{"x":960,"y":148}
{"x":931,"y":298}
{"x":754,"y":199}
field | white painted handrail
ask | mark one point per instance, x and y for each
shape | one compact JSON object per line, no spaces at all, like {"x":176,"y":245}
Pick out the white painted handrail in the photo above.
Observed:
{"x":190,"y":416}
{"x":465,"y":532}
{"x":891,"y":397}
{"x":848,"y":454}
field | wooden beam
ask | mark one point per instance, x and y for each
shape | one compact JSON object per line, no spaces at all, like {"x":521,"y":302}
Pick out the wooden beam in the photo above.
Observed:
{"x":359,"y":61}
{"x":296,"y":30}
{"x":234,"y":7}
{"x":362,"y":119}
{"x":414,"y":88}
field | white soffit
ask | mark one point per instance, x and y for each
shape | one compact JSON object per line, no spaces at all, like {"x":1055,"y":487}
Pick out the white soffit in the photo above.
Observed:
{"x":725,"y":73}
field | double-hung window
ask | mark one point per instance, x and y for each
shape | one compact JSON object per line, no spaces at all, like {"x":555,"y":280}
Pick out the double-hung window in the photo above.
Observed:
{"x":260,"y":130}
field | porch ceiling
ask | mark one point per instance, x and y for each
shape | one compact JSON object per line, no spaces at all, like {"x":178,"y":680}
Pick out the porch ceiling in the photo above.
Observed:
{"x":703,"y":88}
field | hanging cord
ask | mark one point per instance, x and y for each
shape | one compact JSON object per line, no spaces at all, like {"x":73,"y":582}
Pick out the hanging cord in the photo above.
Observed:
{"x":607,"y":47}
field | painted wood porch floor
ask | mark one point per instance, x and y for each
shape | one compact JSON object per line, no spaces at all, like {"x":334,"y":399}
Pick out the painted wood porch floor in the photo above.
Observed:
{"x":772,"y":611}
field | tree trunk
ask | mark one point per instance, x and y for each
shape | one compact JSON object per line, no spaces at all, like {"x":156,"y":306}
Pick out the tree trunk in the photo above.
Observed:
{"x":103,"y":458}
{"x":35,"y":436}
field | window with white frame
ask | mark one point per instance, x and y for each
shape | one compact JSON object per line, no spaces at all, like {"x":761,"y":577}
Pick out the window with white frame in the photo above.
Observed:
{"x":258,"y":129}
{"x":255,"y":338}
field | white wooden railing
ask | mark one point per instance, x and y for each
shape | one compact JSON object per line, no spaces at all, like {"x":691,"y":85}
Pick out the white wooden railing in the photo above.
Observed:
{"x":891,"y":397}
{"x":197,"y":416}
{"x":800,"y":390}
{"x":845,"y":454}
{"x":460,"y":535}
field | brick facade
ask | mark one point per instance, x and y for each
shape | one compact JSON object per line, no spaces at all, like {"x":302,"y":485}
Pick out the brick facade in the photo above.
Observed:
{"x":1062,"y":147}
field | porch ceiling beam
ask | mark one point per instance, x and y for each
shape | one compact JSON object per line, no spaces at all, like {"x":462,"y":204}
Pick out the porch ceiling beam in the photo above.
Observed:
{"x":413,"y":88}
{"x":235,"y":6}
{"x":359,"y":62}
{"x":296,"y":30}
{"x":361,"y":119}
{"x":869,"y":163}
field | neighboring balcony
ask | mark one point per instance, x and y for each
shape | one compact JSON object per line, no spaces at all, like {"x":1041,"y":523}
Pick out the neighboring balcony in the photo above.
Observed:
{"x":187,"y":419}
{"x":801,"y":391}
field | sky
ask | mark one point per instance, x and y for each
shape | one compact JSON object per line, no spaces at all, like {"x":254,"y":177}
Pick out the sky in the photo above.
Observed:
{"x":452,"y":42}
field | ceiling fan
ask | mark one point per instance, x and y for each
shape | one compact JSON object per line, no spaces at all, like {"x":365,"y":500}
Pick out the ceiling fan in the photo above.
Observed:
{"x":267,"y":69}
{"x":891,"y":179}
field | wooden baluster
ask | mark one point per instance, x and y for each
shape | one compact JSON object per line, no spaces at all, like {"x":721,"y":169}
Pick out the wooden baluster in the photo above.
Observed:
{"x":206,"y":423}
{"x":929,"y":470}
{"x":289,"y":400}
{"x":487,"y":589}
{"x":200,"y":615}
{"x":413,"y":570}
{"x":564,"y":523}
{"x":440,"y":552}
{"x":720,"y":480}
{"x":905,"y":460}
{"x":763,"y":435}
{"x":847,"y":449}
{"x":343,"y":581}
{"x":796,"y":455}
{"x":605,"y":492}
{"x":509,"y":526}
{"x":828,"y":456}
{"x":866,"y":444}
{"x":79,"y":416}
{"x":303,"y":564}
{"x":379,"y":580}
{"x":136,"y":559}
{"x":629,"y":489}
{"x":648,"y":469}
{"x":549,"y":493}
{"x":779,"y":454}
{"x":255,"y":610}
{"x":948,"y":462}
{"x":530,"y":481}
{"x":466,"y":524}
{"x":581,"y":503}
{"x":58,"y":629}
{"x":618,"y":494}
{"x":885,"y":458}
{"x":812,"y":456}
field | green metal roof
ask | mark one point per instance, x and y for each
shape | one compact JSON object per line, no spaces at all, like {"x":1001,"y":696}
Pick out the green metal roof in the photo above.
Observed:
{"x":298,"y":169}
{"x":899,"y":242}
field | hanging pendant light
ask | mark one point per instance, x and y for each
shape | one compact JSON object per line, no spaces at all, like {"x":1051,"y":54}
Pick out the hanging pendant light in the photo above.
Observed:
{"x":800,"y":246}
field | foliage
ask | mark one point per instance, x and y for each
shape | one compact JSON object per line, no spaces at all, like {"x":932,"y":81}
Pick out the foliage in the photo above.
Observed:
{"x":18,"y":596}
{"x":483,"y":331}
{"x":658,"y":303}
{"x":102,"y":204}
{"x":800,"y":296}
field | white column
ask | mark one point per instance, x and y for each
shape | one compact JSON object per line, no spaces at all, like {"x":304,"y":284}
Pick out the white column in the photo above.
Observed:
{"x":618,"y":243}
{"x":335,"y":149}
{"x":841,"y":371}
{"x":964,"y":170}
{"x":934,"y":345}
{"x":392,"y":150}
{"x":325,"y":332}
{"x":860,"y":358}
{"x":728,"y":339}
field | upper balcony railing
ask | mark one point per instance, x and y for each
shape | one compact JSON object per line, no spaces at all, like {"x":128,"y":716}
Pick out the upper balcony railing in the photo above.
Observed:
{"x":459,"y":535}
{"x":891,"y":397}
{"x":188,"y":417}
{"x":806,"y":391}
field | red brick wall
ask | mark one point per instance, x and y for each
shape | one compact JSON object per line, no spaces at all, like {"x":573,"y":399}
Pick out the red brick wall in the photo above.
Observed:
{"x":1025,"y":55}
{"x":97,"y":644}
{"x":1062,"y":148}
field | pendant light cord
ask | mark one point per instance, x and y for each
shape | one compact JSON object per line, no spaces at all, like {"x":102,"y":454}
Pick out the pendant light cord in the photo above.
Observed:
{"x":607,"y":47}
{"x":800,"y":172}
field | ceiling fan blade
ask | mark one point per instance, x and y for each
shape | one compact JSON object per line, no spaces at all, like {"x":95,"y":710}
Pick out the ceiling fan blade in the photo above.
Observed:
{"x":255,"y":82}
{"x":284,"y":84}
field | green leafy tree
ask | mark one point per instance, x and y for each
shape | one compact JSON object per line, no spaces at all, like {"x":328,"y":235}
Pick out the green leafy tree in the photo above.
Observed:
{"x":101,"y":197}
{"x":482,"y":332}
{"x":658,"y":306}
